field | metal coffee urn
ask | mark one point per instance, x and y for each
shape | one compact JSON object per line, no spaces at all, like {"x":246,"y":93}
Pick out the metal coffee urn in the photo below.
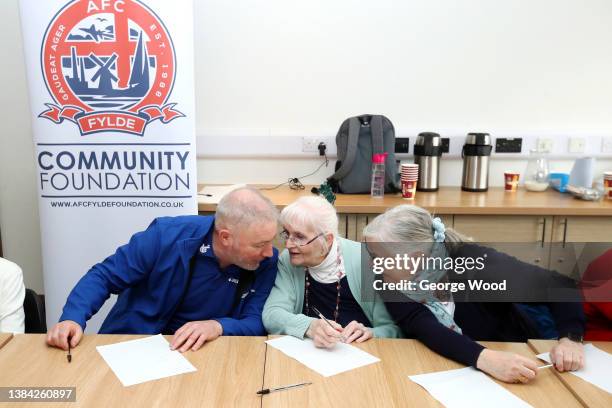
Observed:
{"x":476,"y":152}
{"x":427,"y":152}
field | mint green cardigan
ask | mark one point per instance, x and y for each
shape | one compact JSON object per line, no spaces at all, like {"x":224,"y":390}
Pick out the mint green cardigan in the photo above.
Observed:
{"x":282,"y":313}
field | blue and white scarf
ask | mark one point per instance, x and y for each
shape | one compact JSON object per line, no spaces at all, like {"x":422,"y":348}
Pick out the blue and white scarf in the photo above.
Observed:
{"x":445,"y":315}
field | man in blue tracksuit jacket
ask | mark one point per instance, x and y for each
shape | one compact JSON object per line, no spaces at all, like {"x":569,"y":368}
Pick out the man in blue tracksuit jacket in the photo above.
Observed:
{"x":181,"y":276}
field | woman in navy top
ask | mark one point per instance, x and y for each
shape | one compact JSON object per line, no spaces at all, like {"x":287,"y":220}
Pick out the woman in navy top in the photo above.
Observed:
{"x":452,"y":328}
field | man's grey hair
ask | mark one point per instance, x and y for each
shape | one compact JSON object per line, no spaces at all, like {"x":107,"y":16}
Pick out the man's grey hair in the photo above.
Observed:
{"x":314,"y":212}
{"x":408,"y":223}
{"x":243,"y":207}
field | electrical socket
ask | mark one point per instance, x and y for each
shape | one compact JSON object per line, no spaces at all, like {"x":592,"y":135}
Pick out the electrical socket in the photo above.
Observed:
{"x":577,"y":145}
{"x":606,"y":144}
{"x":508,"y":145}
{"x":402,"y":145}
{"x":445,"y":145}
{"x":311,"y":144}
{"x":544,"y":144}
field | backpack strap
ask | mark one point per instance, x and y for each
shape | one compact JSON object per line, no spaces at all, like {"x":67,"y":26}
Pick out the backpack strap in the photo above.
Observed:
{"x":351,"y":150}
{"x":377,"y":134}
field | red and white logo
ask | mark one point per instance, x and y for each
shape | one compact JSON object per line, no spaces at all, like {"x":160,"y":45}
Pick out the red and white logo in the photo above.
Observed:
{"x":109,"y":66}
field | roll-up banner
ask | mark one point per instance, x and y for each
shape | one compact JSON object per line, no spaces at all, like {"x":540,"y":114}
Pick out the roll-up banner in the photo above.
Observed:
{"x":112,"y":100}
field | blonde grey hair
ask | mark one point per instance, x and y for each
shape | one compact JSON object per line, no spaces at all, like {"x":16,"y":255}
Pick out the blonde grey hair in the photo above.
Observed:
{"x":243,"y":207}
{"x":314,"y":212}
{"x":409,"y":223}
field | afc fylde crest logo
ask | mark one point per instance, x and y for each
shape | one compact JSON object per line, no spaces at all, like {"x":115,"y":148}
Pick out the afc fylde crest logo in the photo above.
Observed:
{"x":109,"y":66}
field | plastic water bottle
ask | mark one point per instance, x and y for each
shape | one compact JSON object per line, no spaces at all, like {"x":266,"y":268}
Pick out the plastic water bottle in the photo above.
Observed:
{"x":378,"y":175}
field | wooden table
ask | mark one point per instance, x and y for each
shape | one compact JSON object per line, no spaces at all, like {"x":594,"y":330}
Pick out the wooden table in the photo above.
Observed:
{"x":386,"y":383}
{"x":585,"y":392}
{"x":5,"y":338}
{"x":230,"y":371}
{"x":451,"y":200}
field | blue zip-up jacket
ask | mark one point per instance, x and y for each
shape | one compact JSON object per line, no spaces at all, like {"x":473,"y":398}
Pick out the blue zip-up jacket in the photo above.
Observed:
{"x":151,"y":276}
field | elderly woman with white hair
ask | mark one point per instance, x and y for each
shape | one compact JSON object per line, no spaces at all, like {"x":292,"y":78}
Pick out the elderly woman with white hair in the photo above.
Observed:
{"x":451,"y":328}
{"x":321,"y":272}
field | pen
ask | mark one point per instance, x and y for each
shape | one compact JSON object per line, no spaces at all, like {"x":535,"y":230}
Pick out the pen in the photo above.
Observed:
{"x":328,"y":322}
{"x":545,"y":366}
{"x":284,"y":387}
{"x":69,"y":356}
{"x":205,"y":195}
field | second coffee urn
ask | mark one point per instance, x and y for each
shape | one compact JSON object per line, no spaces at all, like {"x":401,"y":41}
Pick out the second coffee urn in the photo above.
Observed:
{"x":427,"y":152}
{"x":475,"y":154}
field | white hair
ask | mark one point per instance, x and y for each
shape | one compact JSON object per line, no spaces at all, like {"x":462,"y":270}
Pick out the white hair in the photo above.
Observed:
{"x":408,"y":223}
{"x":314,"y":212}
{"x":244,"y":207}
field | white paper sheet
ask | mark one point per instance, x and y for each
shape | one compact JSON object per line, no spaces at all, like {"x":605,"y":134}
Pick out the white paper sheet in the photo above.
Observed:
{"x":597,"y":367}
{"x":150,"y":358}
{"x":327,"y":362}
{"x":467,"y":387}
{"x":212,"y":194}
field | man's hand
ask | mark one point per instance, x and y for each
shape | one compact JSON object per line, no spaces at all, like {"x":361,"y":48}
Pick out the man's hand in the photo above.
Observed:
{"x":567,"y":355}
{"x":194,"y":334}
{"x":507,"y":367}
{"x":323,"y":335}
{"x":60,"y":333}
{"x":355,"y":331}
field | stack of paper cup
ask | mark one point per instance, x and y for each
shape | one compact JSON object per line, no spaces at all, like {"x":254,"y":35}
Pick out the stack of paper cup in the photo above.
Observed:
{"x":409,"y":176}
{"x":608,"y":184}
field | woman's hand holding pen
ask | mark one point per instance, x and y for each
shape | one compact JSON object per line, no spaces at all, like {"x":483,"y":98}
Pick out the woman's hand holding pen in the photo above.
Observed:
{"x":323,"y":335}
{"x":507,"y":367}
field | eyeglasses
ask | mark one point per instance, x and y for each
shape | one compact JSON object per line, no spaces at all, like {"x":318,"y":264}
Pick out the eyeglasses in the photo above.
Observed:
{"x":285,"y":236}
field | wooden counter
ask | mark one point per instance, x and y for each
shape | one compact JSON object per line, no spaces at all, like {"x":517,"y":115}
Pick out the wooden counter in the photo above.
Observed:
{"x":451,"y":200}
{"x":549,"y":219}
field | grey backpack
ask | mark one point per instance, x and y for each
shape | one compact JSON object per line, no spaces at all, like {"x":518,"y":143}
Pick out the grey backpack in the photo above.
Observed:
{"x":357,"y":140}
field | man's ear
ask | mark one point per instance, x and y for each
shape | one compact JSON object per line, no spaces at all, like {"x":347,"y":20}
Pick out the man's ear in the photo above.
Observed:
{"x":225,"y":237}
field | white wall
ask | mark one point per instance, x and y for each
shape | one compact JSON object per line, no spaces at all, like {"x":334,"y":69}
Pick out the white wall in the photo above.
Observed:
{"x":18,"y":196}
{"x":289,"y":66}
{"x":297,"y":67}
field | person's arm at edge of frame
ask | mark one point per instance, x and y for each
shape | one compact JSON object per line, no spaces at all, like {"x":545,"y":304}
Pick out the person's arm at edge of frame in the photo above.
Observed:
{"x":12,"y":292}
